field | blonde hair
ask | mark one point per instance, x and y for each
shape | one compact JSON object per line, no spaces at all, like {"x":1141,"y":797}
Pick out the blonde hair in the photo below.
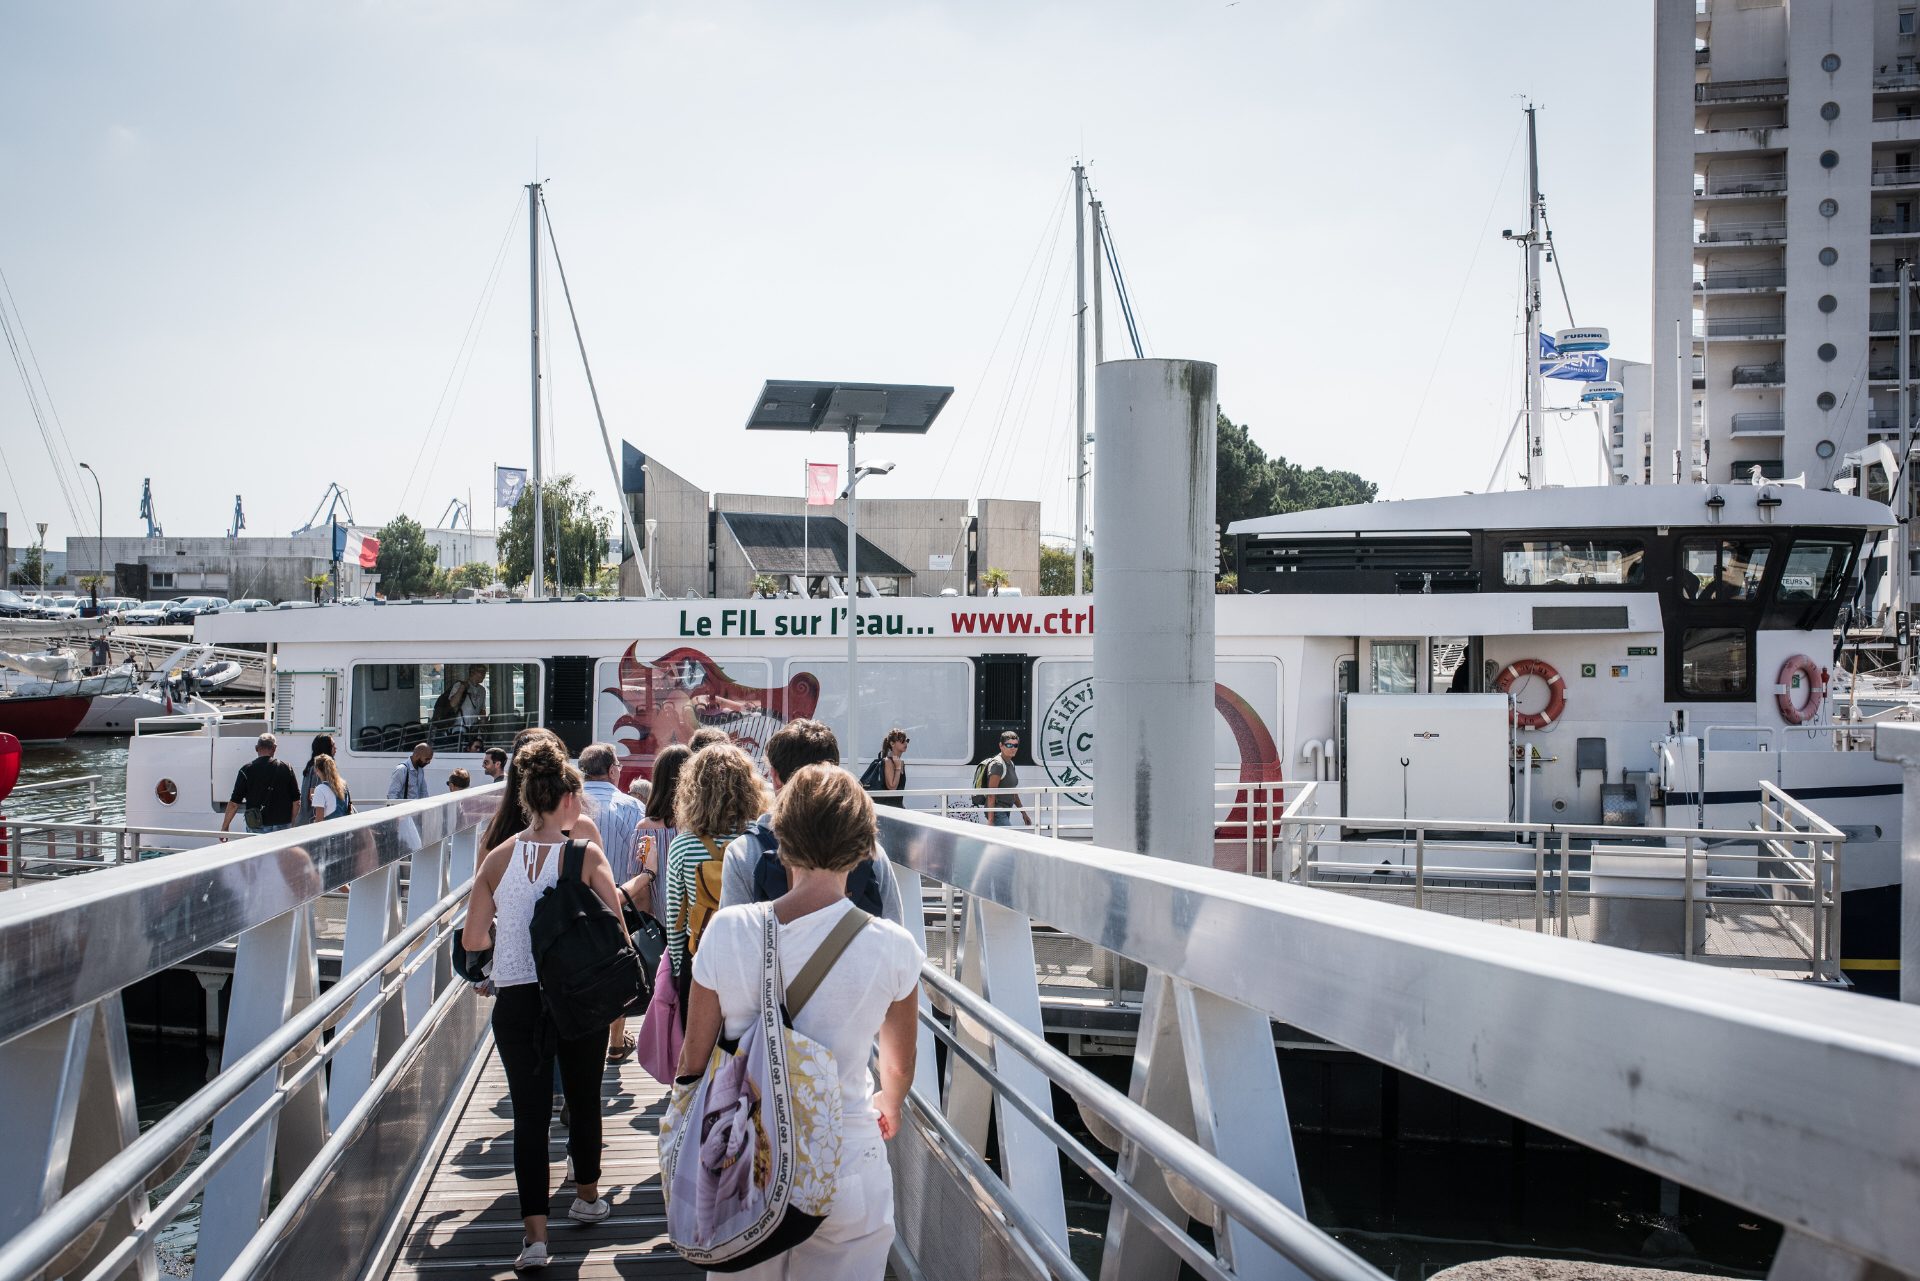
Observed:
{"x":720,"y":792}
{"x":824,"y":820}
{"x":329,"y":773}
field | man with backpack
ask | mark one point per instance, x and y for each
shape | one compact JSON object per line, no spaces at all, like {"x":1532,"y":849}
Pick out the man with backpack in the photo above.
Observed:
{"x":999,"y":777}
{"x":751,"y":871}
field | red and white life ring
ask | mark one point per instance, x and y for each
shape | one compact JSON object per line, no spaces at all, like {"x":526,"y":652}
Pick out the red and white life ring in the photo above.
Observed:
{"x":1799,"y":665}
{"x":1556,"y":691}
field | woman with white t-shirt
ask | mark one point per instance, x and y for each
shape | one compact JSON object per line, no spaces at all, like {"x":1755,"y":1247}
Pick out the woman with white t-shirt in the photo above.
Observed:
{"x":825,"y":824}
{"x":329,"y":796}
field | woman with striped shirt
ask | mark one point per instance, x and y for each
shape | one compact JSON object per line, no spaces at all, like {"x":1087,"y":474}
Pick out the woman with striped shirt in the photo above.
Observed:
{"x":719,"y":793}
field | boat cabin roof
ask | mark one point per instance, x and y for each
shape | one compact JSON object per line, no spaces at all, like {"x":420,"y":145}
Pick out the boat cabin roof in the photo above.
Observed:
{"x":1585,"y":508}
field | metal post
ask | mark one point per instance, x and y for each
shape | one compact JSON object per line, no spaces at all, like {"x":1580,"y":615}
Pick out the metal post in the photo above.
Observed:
{"x":100,"y":534}
{"x":1099,"y":250}
{"x":533,"y":307}
{"x":1686,"y":947}
{"x":1536,"y":428}
{"x":850,"y":750}
{"x":1419,"y":869}
{"x":1079,"y":375}
{"x":1903,"y":509}
{"x":1539,"y":889}
{"x":1566,"y":891}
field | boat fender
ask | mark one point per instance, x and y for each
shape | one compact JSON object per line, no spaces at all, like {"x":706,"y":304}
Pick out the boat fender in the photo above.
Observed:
{"x":1556,"y":691}
{"x":1799,"y":665}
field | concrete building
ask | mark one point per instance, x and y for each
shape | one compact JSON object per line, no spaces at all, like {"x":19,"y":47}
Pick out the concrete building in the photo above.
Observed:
{"x":934,"y":544}
{"x":1630,"y":431}
{"x":1786,"y":187}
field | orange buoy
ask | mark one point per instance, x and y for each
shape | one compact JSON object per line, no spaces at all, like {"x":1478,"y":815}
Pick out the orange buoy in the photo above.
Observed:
{"x":1556,"y":691}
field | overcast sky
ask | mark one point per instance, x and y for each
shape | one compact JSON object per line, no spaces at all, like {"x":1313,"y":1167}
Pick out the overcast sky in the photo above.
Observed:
{"x":246,"y":242}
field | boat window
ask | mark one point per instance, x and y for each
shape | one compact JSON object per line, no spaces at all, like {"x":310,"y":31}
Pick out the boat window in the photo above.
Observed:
{"x":456,"y":706}
{"x":1346,"y":675}
{"x":1722,"y":570}
{"x":1715,"y":660}
{"x":1572,"y":562}
{"x":931,"y":699}
{"x":1816,"y":570}
{"x":1395,"y":667}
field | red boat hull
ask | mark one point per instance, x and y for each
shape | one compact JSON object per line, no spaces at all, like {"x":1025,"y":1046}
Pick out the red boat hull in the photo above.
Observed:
{"x":43,"y":720}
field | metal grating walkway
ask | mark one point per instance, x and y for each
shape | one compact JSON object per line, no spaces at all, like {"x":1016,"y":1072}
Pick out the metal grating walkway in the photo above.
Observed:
{"x":466,"y":1221}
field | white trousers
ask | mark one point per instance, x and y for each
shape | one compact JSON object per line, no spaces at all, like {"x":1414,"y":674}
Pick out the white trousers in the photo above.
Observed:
{"x":852,"y":1244}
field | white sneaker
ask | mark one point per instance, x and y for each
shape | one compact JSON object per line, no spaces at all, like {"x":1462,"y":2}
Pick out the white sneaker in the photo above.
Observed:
{"x":588,"y":1211}
{"x":533,"y":1254}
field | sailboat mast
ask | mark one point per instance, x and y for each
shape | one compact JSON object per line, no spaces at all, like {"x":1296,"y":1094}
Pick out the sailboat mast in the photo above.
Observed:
{"x":533,"y":300}
{"x":1079,"y":377}
{"x":1099,"y":324}
{"x":1536,"y":443}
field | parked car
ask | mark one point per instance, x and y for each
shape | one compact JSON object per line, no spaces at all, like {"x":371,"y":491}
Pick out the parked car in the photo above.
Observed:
{"x":152,"y":613}
{"x":114,"y":606}
{"x":60,"y":606}
{"x":14,"y":605}
{"x":192,"y":607}
{"x":246,"y":605}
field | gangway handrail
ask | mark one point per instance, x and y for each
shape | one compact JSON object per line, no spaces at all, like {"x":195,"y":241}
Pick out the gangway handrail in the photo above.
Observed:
{"x":1610,"y":1054}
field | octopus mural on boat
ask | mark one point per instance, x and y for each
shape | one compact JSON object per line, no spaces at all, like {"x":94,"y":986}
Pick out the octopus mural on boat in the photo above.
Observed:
{"x":665,"y":700}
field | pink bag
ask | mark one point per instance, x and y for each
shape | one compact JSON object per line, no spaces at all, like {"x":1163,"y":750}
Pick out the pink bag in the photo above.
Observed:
{"x":657,"y":1048}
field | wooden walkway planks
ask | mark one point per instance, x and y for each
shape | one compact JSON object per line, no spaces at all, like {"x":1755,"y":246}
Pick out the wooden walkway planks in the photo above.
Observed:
{"x":467,"y":1223}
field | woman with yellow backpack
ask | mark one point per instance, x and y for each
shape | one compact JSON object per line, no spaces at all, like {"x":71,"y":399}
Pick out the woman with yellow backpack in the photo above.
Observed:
{"x":720,"y":792}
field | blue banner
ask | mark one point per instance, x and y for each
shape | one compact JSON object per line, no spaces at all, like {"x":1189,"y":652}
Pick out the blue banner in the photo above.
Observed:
{"x":508,"y":484}
{"x":1575,"y":366}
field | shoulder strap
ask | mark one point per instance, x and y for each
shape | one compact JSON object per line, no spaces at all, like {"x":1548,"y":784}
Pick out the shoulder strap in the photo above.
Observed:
{"x":573,"y":861}
{"x":801,"y":989}
{"x":714,"y":848}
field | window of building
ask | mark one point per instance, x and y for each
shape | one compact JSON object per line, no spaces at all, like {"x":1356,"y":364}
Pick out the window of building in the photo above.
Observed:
{"x":1722,"y":569}
{"x":1573,"y":562}
{"x":1829,"y":207}
{"x":160,"y":578}
{"x":1825,"y":400}
{"x":1828,"y":304}
{"x":1829,"y":111}
{"x":1815,"y":570}
{"x":1906,"y":22}
{"x":1395,"y":667}
{"x":1827,"y":351}
{"x":1829,"y":256}
{"x":1715,"y":661}
{"x":1830,"y":63}
{"x":458,"y":706}
{"x":1829,"y":159}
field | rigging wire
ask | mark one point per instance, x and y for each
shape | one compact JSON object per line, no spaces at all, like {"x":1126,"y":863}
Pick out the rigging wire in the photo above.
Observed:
{"x":1120,"y":290}
{"x":469,"y":343}
{"x":1554,"y":254}
{"x":1020,"y":361}
{"x":1479,"y":242}
{"x":1054,"y":311}
{"x":626,"y":512}
{"x":1049,"y":227}
{"x":52,"y":433}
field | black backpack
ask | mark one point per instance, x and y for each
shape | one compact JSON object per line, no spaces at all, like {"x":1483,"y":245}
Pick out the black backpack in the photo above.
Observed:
{"x":589,"y":975}
{"x":770,"y":876}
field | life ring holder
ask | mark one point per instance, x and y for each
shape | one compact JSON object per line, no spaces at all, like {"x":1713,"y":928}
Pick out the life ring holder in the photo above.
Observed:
{"x":1556,"y":691}
{"x":1799,"y":665}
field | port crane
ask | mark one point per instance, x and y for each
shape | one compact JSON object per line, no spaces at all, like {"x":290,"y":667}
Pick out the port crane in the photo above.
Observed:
{"x":335,"y":499}
{"x":146,"y":509}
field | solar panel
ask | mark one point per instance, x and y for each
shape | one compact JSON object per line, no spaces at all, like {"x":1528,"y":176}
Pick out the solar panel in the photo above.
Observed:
{"x":787,"y":405}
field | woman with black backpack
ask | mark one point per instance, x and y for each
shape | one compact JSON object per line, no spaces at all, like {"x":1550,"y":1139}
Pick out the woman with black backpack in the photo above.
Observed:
{"x":500,"y":914}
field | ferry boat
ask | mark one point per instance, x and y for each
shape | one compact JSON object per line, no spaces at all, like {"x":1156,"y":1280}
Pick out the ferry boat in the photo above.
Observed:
{"x":1650,"y":654}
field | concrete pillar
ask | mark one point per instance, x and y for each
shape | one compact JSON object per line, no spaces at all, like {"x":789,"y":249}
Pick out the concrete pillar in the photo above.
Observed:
{"x":1902,"y":743}
{"x":1153,"y":597}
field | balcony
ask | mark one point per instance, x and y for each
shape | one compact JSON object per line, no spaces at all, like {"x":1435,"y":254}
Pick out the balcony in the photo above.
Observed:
{"x":1745,"y":233}
{"x":1895,"y":176}
{"x":1701,"y":56}
{"x":1746,"y":139}
{"x":1740,"y":184}
{"x":1760,"y":424}
{"x":1883,"y":373}
{"x":1740,"y":90}
{"x":1772,"y":374}
{"x":1741,"y":279}
{"x":1752,"y":327}
{"x":1886,"y":82}
{"x":1888,"y":322}
{"x":1893,"y":227}
{"x":1889,"y":276}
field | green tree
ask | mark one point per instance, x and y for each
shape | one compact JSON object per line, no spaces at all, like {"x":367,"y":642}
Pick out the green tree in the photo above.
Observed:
{"x":576,"y":536}
{"x":29,"y":573}
{"x":1056,"y":570}
{"x":994,"y":579}
{"x":406,"y":560}
{"x":475,"y":574}
{"x":1248,"y":483}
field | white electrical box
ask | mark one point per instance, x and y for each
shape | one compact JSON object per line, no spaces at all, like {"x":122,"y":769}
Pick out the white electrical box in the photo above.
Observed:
{"x":1426,"y":757}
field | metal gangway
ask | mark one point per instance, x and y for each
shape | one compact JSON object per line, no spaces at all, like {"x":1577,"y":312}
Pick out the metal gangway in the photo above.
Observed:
{"x":311,"y":1151}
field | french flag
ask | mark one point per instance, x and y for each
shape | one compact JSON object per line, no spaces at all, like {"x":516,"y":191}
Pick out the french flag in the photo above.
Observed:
{"x":369,"y":552}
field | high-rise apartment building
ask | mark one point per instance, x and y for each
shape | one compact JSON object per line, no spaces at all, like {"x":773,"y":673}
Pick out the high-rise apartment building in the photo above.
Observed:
{"x":1786,"y":189}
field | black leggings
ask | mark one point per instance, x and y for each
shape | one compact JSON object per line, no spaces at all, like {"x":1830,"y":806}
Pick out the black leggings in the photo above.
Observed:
{"x":529,"y":1047}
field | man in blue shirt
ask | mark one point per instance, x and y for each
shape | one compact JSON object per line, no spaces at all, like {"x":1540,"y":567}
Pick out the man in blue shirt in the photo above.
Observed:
{"x":409,"y":781}
{"x":617,"y":815}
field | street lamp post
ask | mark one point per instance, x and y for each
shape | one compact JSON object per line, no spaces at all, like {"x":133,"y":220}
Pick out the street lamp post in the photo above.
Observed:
{"x":99,"y":535}
{"x":853,"y":408}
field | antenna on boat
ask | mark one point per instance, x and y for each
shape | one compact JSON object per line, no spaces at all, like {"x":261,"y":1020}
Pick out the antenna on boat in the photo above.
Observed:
{"x":1079,"y":377}
{"x":1532,"y":241}
{"x":533,"y":296}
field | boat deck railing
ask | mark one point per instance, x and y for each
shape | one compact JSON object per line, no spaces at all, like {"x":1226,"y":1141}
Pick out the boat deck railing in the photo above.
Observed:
{"x":1791,"y":1101}
{"x":1765,"y":897}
